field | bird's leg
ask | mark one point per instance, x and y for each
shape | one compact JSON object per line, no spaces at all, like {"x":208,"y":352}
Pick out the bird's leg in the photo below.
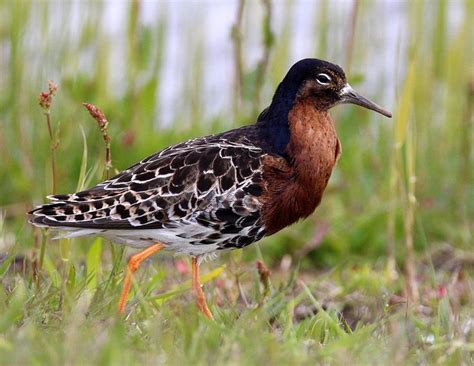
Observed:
{"x":200,"y":297}
{"x":133,"y":264}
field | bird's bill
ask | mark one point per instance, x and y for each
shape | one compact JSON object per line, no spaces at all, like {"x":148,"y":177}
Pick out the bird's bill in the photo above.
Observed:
{"x":349,"y":95}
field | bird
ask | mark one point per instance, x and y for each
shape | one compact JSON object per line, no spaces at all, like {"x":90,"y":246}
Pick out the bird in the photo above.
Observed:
{"x":219,"y":192}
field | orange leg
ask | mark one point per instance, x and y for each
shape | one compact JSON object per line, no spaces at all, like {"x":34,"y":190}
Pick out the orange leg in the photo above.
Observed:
{"x":133,"y":265}
{"x":200,"y":297}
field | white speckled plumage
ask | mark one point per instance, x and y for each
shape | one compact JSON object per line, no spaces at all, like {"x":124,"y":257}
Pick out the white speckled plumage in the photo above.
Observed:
{"x":196,"y":197}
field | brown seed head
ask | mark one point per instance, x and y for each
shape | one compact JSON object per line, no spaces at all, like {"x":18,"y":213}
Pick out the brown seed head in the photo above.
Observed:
{"x":263,"y":272}
{"x":45,"y":98}
{"x":97,"y":114}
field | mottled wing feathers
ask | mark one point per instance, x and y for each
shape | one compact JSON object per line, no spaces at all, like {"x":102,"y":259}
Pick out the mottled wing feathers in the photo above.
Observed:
{"x":211,"y":183}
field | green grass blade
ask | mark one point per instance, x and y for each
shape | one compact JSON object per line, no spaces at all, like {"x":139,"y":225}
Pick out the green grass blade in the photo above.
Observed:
{"x":181,"y":288}
{"x":93,"y":263}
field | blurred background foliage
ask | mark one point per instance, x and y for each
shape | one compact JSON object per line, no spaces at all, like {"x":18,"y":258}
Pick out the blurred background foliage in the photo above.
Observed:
{"x":167,"y":71}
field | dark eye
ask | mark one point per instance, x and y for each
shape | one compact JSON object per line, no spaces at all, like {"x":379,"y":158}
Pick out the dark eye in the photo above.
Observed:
{"x":323,"y":79}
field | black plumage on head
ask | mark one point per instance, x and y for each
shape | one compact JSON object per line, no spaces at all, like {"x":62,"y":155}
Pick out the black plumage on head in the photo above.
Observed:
{"x":274,"y":119}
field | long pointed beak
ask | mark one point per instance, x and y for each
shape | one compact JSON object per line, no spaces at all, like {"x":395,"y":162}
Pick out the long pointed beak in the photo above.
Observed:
{"x":349,"y":95}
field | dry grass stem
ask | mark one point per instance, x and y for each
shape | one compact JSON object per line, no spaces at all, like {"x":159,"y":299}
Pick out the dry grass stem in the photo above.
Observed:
{"x":236,"y":35}
{"x":264,"y":275}
{"x":351,"y":36}
{"x":45,"y":101}
{"x":268,"y":41}
{"x":103,"y":123}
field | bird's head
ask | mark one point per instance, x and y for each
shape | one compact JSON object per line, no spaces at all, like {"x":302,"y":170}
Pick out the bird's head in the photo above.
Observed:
{"x":318,"y":82}
{"x":325,"y":84}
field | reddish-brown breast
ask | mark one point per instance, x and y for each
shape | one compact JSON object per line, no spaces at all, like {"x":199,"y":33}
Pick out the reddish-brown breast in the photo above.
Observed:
{"x":294,"y":189}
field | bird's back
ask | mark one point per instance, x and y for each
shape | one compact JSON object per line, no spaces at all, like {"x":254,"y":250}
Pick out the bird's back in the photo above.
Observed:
{"x":198,"y":196}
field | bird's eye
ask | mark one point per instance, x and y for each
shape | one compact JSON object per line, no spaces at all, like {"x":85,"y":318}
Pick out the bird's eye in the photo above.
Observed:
{"x":323,"y":79}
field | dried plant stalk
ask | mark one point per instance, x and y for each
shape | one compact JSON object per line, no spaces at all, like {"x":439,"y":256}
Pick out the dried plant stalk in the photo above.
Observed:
{"x":268,"y":41}
{"x":236,"y":36}
{"x":351,"y":36}
{"x":410,"y":271}
{"x":103,"y":123}
{"x":264,"y":274}
{"x":45,"y":101}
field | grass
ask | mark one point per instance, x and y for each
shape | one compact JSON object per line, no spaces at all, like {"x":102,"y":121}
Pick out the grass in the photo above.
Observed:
{"x":380,"y":274}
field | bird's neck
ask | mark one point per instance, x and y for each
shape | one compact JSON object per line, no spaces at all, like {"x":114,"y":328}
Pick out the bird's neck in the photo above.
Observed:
{"x":275,"y":124}
{"x":313,"y":147}
{"x":295,"y":184}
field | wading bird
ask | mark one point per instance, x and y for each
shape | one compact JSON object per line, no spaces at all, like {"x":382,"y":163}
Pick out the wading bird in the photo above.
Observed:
{"x":223,"y":191}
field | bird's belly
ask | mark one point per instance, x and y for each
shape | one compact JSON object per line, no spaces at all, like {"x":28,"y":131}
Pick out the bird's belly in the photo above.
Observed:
{"x":184,"y":240}
{"x":172,"y":238}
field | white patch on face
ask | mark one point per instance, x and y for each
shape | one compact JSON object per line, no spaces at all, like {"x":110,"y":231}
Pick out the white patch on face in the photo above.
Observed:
{"x":345,"y":90}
